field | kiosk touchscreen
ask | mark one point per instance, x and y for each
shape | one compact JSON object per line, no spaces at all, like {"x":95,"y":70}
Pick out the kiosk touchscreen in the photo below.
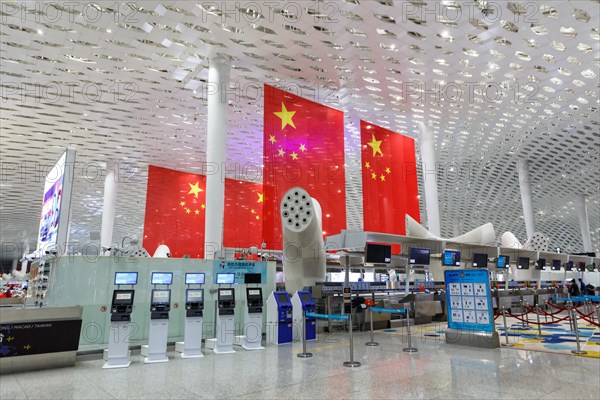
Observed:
{"x":118,"y":355}
{"x":254,"y":300}
{"x":253,"y":320}
{"x":302,"y":301}
{"x":279,"y":318}
{"x":160,"y":305}
{"x":224,"y":320}
{"x":194,"y":302}
{"x":122,"y":305}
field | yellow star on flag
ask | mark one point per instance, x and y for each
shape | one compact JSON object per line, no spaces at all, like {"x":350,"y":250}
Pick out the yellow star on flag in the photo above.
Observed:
{"x":182,"y":203}
{"x":27,"y":347}
{"x":195,"y":189}
{"x":257,"y":217}
{"x":197,"y":212}
{"x":203,"y":206}
{"x":382,"y":177}
{"x":272,"y":139}
{"x":373,"y":175}
{"x":187,"y":211}
{"x":388,"y":170}
{"x":252,"y":211}
{"x":367,"y":165}
{"x":260,"y":198}
{"x":294,"y":155}
{"x":286,"y":116}
{"x":375,"y":145}
{"x":302,"y":147}
{"x":280,"y":152}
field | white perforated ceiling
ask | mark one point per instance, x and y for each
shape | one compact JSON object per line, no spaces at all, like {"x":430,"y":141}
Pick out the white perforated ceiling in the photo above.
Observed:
{"x":127,"y":82}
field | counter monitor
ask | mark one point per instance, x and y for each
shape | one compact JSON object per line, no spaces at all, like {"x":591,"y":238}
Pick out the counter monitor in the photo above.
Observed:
{"x":502,"y":262}
{"x":162,"y":278}
{"x":555,"y":265}
{"x":418,"y":256}
{"x":581,"y":266}
{"x":523,"y":263}
{"x":252,"y":278}
{"x":194,"y":295}
{"x":480,"y":260}
{"x":126,"y":278}
{"x":569,"y":266}
{"x":225,"y":278}
{"x":451,"y":258}
{"x":541,"y":264}
{"x":378,"y":253}
{"x":195,"y":278}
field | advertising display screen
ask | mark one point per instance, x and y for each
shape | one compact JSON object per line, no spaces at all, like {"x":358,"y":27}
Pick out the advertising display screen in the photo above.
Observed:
{"x":451,"y":258}
{"x":162,"y":278}
{"x":126,"y":278}
{"x":418,"y":256}
{"x":123,"y":297}
{"x":502,"y":262}
{"x":194,"y":295}
{"x":161,"y":296}
{"x":556,"y":265}
{"x":193,"y":278}
{"x":225,"y":278}
{"x":480,"y":260}
{"x":378,"y":253}
{"x":252,"y":278}
{"x":523,"y":263}
{"x":225,"y":294}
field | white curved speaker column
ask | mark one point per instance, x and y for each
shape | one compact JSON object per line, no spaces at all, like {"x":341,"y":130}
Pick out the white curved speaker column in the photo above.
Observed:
{"x":303,"y":250}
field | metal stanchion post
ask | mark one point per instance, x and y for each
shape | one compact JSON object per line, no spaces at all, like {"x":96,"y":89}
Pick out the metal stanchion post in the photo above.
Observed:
{"x":372,"y":342}
{"x":546,"y":312}
{"x":537,"y":312}
{"x":304,"y":354}
{"x":409,"y":349}
{"x":524,"y":307}
{"x":569,"y":305}
{"x":351,"y":363}
{"x":578,"y":351}
{"x":598,"y":313}
{"x":507,"y":344}
{"x":590,"y":309}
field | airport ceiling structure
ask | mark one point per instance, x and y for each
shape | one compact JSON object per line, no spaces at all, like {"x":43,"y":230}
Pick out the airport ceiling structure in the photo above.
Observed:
{"x":127,"y":82}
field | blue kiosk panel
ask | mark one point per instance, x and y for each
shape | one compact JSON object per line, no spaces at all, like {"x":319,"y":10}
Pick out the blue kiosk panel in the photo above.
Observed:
{"x":284,"y":317}
{"x":309,"y":305}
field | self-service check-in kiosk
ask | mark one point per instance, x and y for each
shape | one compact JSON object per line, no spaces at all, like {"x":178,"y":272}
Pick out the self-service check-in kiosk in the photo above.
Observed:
{"x":160,"y":305}
{"x":225,"y":315}
{"x":279,"y":318}
{"x":191,"y":347}
{"x":253,"y":319}
{"x":118,"y":354}
{"x":303,"y":302}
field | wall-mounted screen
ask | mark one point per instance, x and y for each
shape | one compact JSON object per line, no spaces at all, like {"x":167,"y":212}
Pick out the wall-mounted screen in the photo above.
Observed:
{"x":225,"y":294}
{"x":378,"y":253}
{"x":252,"y":278}
{"x":581,"y":266}
{"x":194,"y":295}
{"x":556,"y":265}
{"x":541,"y":264}
{"x":282,"y":298}
{"x":162,"y":278}
{"x":194,"y":278}
{"x":123,"y":297}
{"x":569,"y":266}
{"x":451,"y":258}
{"x":225,"y":278}
{"x":418,"y":256}
{"x":161,"y":296}
{"x":523,"y":263}
{"x":502,"y":261}
{"x":126,"y":278}
{"x":480,"y":260}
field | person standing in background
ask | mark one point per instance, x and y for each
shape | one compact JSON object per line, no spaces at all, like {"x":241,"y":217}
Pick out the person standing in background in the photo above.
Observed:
{"x":583,"y":287}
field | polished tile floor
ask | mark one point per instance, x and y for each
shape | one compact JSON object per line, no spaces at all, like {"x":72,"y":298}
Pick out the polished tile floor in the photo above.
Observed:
{"x":436,"y":371}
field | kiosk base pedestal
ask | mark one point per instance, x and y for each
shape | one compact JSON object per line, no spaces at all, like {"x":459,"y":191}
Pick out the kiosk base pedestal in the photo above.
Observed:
{"x":190,"y":353}
{"x":120,"y":363}
{"x":151,"y":359}
{"x":118,"y":354}
{"x":487,"y":340}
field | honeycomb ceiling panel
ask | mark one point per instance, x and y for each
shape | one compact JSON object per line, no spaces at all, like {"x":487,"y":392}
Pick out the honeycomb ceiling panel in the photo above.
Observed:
{"x":127,"y":83}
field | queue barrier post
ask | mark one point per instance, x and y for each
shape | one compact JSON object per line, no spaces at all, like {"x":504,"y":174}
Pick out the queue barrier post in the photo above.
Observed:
{"x":409,"y":349}
{"x":372,"y":342}
{"x":537,"y":312}
{"x":574,"y":318}
{"x":507,"y":344}
{"x":304,"y":353}
{"x":350,"y":363}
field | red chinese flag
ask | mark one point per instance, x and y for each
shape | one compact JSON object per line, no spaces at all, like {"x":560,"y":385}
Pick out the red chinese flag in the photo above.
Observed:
{"x":243,"y":214}
{"x":389,"y":179}
{"x":175,"y":211}
{"x":303,"y":146}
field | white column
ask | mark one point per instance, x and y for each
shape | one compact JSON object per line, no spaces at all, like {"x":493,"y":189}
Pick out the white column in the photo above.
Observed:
{"x":429,"y":168}
{"x":525,"y":186}
{"x":216,"y":142}
{"x":15,"y":264}
{"x":109,"y":206}
{"x":457,"y":228}
{"x":584,"y":222}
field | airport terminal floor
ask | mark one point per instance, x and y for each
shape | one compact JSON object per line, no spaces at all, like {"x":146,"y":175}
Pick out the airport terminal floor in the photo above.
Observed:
{"x":436,"y":371}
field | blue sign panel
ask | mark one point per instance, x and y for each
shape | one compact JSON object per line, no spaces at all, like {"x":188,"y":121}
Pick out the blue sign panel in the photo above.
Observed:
{"x":240,"y":269}
{"x":468,"y":300}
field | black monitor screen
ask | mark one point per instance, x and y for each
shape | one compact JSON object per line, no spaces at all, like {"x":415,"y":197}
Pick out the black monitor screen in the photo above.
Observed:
{"x":541,"y":263}
{"x":480,"y":260}
{"x":161,"y":296}
{"x":305,"y":297}
{"x":252,"y":278}
{"x":555,"y":265}
{"x":225,"y":278}
{"x":226,"y":294}
{"x":523,"y":263}
{"x":194,"y":278}
{"x":254,"y":293}
{"x":418,"y":256}
{"x":451,"y":258}
{"x":282,"y":298}
{"x":126,"y":278}
{"x":194,"y":295}
{"x":502,"y":261}
{"x":123,"y":297}
{"x":569,"y":266}
{"x":581,"y":265}
{"x":162,"y":278}
{"x":378,"y":253}
{"x":384,"y":277}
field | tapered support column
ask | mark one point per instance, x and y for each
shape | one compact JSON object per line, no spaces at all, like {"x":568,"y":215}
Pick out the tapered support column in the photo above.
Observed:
{"x":429,"y":167}
{"x":109,"y":206}
{"x":584,"y":222}
{"x":216,"y":142}
{"x":525,"y":186}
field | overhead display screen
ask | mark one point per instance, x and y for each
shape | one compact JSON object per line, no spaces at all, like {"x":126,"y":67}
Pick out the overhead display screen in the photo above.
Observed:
{"x":252,"y":278}
{"x":451,"y":258}
{"x":480,"y":260}
{"x":225,"y":278}
{"x":378,"y":253}
{"x":556,"y":265}
{"x":126,"y":278}
{"x":418,"y":256}
{"x":502,"y":261}
{"x":162,"y":278}
{"x":194,"y":278}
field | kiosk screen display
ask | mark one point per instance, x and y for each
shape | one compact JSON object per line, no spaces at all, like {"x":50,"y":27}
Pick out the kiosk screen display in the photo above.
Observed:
{"x":252,"y":278}
{"x":480,"y":260}
{"x":502,"y":261}
{"x":161,"y":296}
{"x":541,"y":264}
{"x":162,"y":278}
{"x":194,"y":295}
{"x":305,"y":298}
{"x":123,"y":297}
{"x":194,"y":278}
{"x":126,"y":278}
{"x":451,"y":258}
{"x":253,"y":292}
{"x":418,"y":256}
{"x":378,"y":253}
{"x":226,"y":294}
{"x":225,"y":278}
{"x":555,"y":265}
{"x":569,"y":266}
{"x":282,"y":298}
{"x":581,"y":265}
{"x":523,"y":263}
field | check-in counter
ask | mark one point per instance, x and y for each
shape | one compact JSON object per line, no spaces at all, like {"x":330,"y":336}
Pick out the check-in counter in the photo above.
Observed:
{"x":508,"y":298}
{"x":38,"y":338}
{"x":528,"y":296}
{"x":543,"y":295}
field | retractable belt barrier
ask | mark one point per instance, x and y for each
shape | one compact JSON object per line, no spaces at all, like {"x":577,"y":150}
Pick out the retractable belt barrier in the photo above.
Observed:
{"x":326,"y":316}
{"x":389,"y":310}
{"x":408,"y":349}
{"x":350,"y":363}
